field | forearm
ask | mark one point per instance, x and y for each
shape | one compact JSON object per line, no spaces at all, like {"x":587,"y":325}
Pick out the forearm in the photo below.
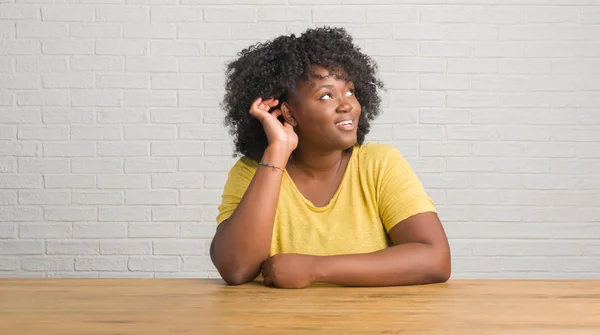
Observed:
{"x":235,"y":255}
{"x":404,"y":264}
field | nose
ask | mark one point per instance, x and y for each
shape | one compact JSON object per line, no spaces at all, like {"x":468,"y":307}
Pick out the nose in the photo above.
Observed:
{"x":344,"y":106}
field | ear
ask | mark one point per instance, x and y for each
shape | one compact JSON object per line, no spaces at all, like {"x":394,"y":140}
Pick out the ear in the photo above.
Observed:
{"x":286,"y":111}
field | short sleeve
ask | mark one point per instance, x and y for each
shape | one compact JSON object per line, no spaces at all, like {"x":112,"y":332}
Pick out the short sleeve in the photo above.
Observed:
{"x":400,"y":192}
{"x":238,"y":179}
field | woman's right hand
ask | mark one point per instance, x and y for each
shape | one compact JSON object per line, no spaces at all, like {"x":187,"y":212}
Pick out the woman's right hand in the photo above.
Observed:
{"x":278,"y":134}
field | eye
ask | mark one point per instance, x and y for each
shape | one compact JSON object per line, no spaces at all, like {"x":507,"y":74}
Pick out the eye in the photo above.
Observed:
{"x":326,"y":95}
{"x":350,"y":92}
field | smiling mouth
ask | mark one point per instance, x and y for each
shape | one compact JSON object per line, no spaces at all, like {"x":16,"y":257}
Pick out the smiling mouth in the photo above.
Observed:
{"x":345,"y":125}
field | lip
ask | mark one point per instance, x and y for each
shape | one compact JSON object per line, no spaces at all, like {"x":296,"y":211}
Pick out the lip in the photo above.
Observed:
{"x":350,"y":126}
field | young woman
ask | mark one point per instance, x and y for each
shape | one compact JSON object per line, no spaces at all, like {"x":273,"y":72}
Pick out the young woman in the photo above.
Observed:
{"x":309,"y":201}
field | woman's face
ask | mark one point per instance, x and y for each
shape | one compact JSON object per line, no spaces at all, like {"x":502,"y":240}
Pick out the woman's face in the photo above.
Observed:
{"x":325,"y":111}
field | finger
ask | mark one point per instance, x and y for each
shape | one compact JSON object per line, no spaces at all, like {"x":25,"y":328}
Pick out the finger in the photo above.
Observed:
{"x":268,"y":281}
{"x":277,"y":112}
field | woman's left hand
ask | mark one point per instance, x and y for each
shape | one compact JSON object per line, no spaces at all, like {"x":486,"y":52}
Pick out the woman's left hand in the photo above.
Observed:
{"x":289,"y":270}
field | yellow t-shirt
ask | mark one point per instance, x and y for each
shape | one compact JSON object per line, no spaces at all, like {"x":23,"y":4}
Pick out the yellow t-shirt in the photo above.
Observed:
{"x":378,"y":190}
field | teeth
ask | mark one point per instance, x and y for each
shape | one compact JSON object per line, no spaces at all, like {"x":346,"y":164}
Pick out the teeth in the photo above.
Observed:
{"x":344,"y":123}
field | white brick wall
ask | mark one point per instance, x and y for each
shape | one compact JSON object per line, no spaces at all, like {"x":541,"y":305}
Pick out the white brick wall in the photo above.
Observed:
{"x":112,"y":153}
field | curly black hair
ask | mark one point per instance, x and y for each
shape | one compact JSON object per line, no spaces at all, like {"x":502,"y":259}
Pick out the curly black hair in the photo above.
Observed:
{"x":273,"y":68}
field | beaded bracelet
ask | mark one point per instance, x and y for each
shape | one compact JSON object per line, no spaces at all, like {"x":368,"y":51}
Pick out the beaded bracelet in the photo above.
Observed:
{"x":271,"y":166}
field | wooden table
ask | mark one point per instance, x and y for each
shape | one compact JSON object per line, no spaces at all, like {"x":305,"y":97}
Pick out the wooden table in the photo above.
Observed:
{"x":182,"y":306}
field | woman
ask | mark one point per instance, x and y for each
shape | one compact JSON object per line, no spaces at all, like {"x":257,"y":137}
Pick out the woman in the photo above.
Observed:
{"x":309,"y":201}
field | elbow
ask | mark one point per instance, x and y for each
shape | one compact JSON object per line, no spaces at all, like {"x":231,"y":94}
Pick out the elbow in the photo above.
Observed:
{"x":231,"y":273}
{"x":234,"y":278}
{"x":441,"y":267}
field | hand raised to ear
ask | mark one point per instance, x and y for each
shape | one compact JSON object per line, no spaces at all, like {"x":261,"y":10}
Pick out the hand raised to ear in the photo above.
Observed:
{"x":277,"y":133}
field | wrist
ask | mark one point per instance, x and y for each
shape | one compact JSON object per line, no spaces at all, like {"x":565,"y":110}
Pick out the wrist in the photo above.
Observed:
{"x":319,"y":270}
{"x":276,"y":154}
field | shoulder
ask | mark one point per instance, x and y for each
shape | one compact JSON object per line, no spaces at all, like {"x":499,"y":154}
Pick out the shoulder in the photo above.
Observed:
{"x":378,"y":154}
{"x":243,"y":167}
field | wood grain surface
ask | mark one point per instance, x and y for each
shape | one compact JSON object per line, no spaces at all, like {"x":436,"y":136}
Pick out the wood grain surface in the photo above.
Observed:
{"x":187,"y":306}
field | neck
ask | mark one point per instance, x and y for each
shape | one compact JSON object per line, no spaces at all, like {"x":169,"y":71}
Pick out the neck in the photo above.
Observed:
{"x":315,"y":163}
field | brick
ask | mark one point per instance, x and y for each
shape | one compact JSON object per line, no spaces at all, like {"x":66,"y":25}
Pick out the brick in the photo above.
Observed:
{"x":445,"y":15}
{"x":445,"y":180}
{"x":95,"y":132}
{"x":178,"y":247}
{"x":201,"y":197}
{"x":153,"y":99}
{"x":45,"y":230}
{"x":200,"y":99}
{"x":95,"y":30}
{"x":97,"y":63}
{"x":496,"y":149}
{"x":123,"y":182}
{"x":150,"y":165}
{"x":393,"y":48}
{"x":70,"y":213}
{"x":154,"y":263}
{"x":43,"y":133}
{"x":69,"y":13}
{"x":125,"y":247}
{"x":153,"y":197}
{"x":499,"y":213}
{"x":42,"y":30}
{"x":9,"y":263}
{"x":120,"y":47}
{"x":469,"y":164}
{"x":475,"y":32}
{"x":96,"y":98}
{"x":589,"y":15}
{"x":396,"y":116}
{"x":522,"y":165}
{"x":71,"y":80}
{"x":232,"y":15}
{"x":178,"y":148}
{"x":48,"y":263}
{"x":530,"y":116}
{"x":120,"y":275}
{"x":122,"y":115}
{"x":204,"y":164}
{"x":7,"y":64}
{"x":19,"y":48}
{"x":122,"y":14}
{"x":495,"y":180}
{"x":8,"y":198}
{"x":445,"y":49}
{"x":253,"y":31}
{"x":528,"y":133}
{"x":203,"y":64}
{"x":198,"y":263}
{"x":525,"y":66}
{"x":381,"y":133}
{"x":574,"y":166}
{"x":436,"y":82}
{"x":149,"y":30}
{"x":102,"y":263}
{"x":19,"y":12}
{"x":525,"y":33}
{"x":422,"y":132}
{"x":176,"y":81}
{"x":443,"y":116}
{"x":7,"y":165}
{"x":81,"y":274}
{"x":574,"y":100}
{"x":589,"y":183}
{"x":97,"y":165}
{"x":70,"y":181}
{"x":69,"y":149}
{"x":42,"y":64}
{"x":560,"y":214}
{"x":20,"y":81}
{"x":150,"y":132}
{"x":21,"y":213}
{"x":100,"y":230}
{"x":167,"y":115}
{"x":473,"y":65}
{"x":393,"y":14}
{"x":418,"y":99}
{"x":444,"y":149}
{"x":43,"y":98}
{"x":97,"y":198}
{"x":197,"y":230}
{"x":588,"y":150}
{"x":215,"y":179}
{"x":44,"y":197}
{"x":153,"y":64}
{"x":550,"y":50}
{"x":180,"y":213}
{"x":20,"y":181}
{"x":470,"y":99}
{"x":204,"y":31}
{"x":21,"y":247}
{"x":14,"y":148}
{"x":123,"y":149}
{"x":498,"y":49}
{"x":67,"y":47}
{"x":176,"y":14}
{"x":153,"y":230}
{"x":574,"y":198}
{"x":72,"y":247}
{"x":7,"y":99}
{"x":225,"y":48}
{"x":549,"y":149}
{"x":284,"y":14}
{"x":203,"y":132}
{"x":213,"y":116}
{"x":126,"y":213}
{"x":500,"y":15}
{"x":176,"y":48}
{"x":122,"y":81}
